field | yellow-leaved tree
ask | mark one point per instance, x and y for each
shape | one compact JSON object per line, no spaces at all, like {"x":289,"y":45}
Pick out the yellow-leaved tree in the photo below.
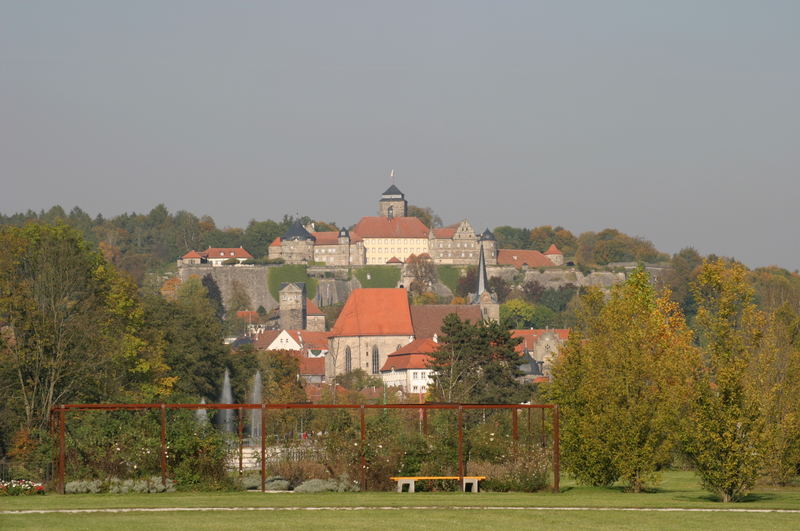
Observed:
{"x":623,"y":381}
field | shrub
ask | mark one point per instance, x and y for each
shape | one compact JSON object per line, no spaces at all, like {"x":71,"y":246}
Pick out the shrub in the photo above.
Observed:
{"x":343,"y":484}
{"x":20,"y":487}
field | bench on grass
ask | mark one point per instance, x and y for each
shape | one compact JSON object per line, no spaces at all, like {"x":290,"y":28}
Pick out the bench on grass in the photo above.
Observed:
{"x":471,"y":481}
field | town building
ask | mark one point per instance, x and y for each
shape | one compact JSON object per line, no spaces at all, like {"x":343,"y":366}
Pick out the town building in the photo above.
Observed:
{"x":215,"y":256}
{"x":407,"y":368}
{"x":538,"y":349}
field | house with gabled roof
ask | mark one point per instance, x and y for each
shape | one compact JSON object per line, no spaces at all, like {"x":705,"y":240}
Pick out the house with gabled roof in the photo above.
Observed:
{"x":215,"y":256}
{"x":408,"y":367}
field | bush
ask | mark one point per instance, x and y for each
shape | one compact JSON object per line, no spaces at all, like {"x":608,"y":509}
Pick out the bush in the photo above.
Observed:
{"x":20,"y":487}
{"x":343,"y":484}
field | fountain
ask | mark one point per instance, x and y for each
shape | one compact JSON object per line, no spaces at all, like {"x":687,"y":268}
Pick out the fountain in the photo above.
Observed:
{"x":225,"y":416}
{"x":255,"y":414}
{"x":200,"y":414}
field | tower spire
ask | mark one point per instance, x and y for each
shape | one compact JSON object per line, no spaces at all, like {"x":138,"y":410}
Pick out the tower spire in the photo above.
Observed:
{"x":483,"y":279}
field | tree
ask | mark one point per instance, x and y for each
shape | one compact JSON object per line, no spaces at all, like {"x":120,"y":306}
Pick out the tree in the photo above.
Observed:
{"x":192,"y":338}
{"x":468,"y":283}
{"x":499,"y":287}
{"x":476,"y":363}
{"x":517,"y":314}
{"x":774,"y":381}
{"x":73,"y":326}
{"x":541,"y":238}
{"x":724,"y":436}
{"x":622,"y":383}
{"x":423,"y":270}
{"x":532,"y":291}
{"x":512,"y":237}
{"x":426,"y":215}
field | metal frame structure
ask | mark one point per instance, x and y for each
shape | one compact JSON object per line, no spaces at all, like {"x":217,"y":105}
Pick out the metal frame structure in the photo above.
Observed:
{"x":58,"y":423}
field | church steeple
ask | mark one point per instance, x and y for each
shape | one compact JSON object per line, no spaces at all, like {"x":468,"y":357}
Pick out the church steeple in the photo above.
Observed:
{"x":483,"y":278}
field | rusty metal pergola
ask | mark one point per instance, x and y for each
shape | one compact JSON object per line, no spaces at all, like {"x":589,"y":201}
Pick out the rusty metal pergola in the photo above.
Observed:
{"x":58,"y":423}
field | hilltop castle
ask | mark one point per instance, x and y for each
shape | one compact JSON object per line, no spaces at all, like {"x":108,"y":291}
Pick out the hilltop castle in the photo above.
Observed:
{"x":393,"y":237}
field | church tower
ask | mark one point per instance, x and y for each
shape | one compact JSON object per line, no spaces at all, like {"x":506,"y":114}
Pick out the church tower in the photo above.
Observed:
{"x":393,"y":203}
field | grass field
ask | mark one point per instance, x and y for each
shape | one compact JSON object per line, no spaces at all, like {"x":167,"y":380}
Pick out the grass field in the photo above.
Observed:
{"x":428,"y":510}
{"x":380,"y":276}
{"x":290,"y":273}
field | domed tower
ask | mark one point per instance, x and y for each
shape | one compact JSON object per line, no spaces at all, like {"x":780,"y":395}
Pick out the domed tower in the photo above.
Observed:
{"x":489,"y":247}
{"x":393,"y":203}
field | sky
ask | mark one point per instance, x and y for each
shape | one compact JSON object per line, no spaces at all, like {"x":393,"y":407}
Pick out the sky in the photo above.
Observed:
{"x":677,"y":121}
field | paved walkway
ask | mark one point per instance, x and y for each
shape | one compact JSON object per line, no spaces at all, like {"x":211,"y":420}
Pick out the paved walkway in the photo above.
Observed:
{"x":416,"y":508}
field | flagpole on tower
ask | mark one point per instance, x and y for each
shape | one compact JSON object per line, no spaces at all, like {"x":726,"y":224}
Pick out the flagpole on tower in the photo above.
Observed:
{"x":391,"y":174}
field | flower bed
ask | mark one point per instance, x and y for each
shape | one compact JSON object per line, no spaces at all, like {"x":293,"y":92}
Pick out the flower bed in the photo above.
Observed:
{"x":20,"y":487}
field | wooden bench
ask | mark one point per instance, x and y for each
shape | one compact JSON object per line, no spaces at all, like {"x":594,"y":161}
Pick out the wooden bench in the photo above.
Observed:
{"x":402,"y":481}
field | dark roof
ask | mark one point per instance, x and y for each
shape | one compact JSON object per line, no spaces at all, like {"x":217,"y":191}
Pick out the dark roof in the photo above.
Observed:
{"x":392,"y":190}
{"x":297,"y":232}
{"x":427,"y":318}
{"x":487,"y":235}
{"x":344,"y":233}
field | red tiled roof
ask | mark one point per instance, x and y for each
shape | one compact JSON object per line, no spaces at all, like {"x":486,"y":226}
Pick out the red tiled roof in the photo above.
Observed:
{"x":531,"y":335}
{"x":192,"y":254}
{"x":394,"y":260}
{"x":276,"y":242}
{"x":312,"y":308}
{"x":520,"y":257}
{"x":312,"y":366}
{"x":380,"y":227}
{"x":328,"y":237}
{"x":423,"y":345}
{"x":311,"y":340}
{"x":227,"y":252}
{"x":427,"y":318}
{"x":445,"y":232}
{"x":375,"y":312}
{"x":553,"y":249}
{"x":265,"y":339}
{"x":248,"y":315}
{"x":403,"y":362}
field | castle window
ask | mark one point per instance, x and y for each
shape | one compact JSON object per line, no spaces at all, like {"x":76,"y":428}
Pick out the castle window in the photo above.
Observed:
{"x":375,"y":359}
{"x":348,"y":360}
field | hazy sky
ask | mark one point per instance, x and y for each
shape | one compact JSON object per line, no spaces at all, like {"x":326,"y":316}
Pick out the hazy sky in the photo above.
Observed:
{"x":673,"y":120}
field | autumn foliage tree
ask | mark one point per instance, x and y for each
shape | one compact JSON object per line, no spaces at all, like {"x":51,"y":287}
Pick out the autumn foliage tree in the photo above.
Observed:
{"x":725,"y":432}
{"x":622,"y":383}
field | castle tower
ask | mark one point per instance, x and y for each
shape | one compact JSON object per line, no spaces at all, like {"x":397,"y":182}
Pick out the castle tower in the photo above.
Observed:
{"x":393,"y":203}
{"x":344,"y":244}
{"x":292,"y":306}
{"x":489,"y":246}
{"x":555,"y":256}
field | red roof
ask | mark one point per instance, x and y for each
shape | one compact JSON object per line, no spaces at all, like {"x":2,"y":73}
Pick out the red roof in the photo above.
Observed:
{"x":311,"y":340}
{"x":248,"y":315}
{"x":312,"y":308}
{"x":520,"y":257}
{"x":424,"y":345}
{"x":312,"y":366}
{"x":375,"y":312}
{"x":265,"y":339}
{"x":276,"y":242}
{"x":394,"y":260}
{"x":226,"y":252}
{"x":328,"y":237}
{"x":445,"y":232}
{"x":552,"y":249}
{"x":192,"y":254}
{"x":380,"y":227}
{"x":427,"y":318}
{"x":404,"y":362}
{"x":531,"y":335}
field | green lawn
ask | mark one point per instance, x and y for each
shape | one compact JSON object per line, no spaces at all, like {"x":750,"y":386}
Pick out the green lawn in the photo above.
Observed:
{"x":378,"y":276}
{"x":290,"y":273}
{"x":449,"y":275}
{"x":679,"y":490}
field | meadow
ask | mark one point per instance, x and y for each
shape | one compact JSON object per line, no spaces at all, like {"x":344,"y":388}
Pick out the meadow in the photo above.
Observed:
{"x":679,"y":503}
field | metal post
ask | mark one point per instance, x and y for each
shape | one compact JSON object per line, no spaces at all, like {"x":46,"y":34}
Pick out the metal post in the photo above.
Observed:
{"x":530,"y":439}
{"x":514,"y":424}
{"x":556,"y":452}
{"x":241,"y":433}
{"x":425,"y":421}
{"x":363,"y":450}
{"x":263,"y":449}
{"x":164,"y":445}
{"x":461,"y":446}
{"x":544,"y":442}
{"x":61,"y":448}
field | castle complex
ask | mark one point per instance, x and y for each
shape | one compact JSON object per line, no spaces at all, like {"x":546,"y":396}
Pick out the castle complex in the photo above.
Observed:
{"x":393,"y":237}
